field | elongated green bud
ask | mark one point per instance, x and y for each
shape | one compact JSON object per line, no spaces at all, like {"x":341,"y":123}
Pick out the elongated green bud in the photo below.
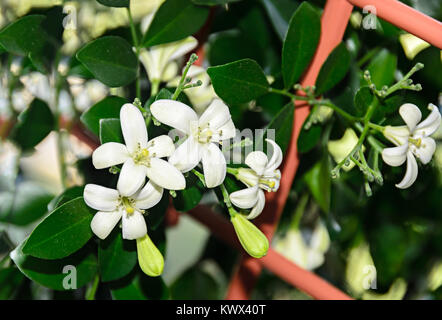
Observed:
{"x":150,"y":259}
{"x":251,"y":238}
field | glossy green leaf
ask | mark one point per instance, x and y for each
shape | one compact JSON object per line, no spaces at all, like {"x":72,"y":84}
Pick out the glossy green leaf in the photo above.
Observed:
{"x":107,"y":108}
{"x":309,"y":138}
{"x":115,"y":3}
{"x":110,"y":131}
{"x":280,"y":12}
{"x":116,"y":257}
{"x":139,"y":287}
{"x":111,"y":60}
{"x":196,"y":284}
{"x":190,"y":197}
{"x":382,"y":68}
{"x":300,"y":43}
{"x":334,"y":69}
{"x":29,"y":204}
{"x":175,"y":20}
{"x":319,"y":182}
{"x":61,"y":233}
{"x":10,"y":280}
{"x":67,"y":195}
{"x":55,"y":274}
{"x":363,"y":99}
{"x":33,"y":125}
{"x":239,"y":82}
{"x":24,"y":35}
{"x":213,"y":2}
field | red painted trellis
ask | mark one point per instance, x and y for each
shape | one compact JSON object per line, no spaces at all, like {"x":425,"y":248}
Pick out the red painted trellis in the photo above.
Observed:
{"x":334,"y":21}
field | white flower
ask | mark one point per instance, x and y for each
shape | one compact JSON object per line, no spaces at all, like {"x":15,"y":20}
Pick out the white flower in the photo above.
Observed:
{"x":307,"y":255}
{"x":86,"y":93}
{"x":263,"y":175}
{"x":112,"y":206}
{"x":140,"y":156}
{"x":200,"y":96}
{"x":159,"y":60}
{"x":411,"y":140}
{"x":203,"y":135}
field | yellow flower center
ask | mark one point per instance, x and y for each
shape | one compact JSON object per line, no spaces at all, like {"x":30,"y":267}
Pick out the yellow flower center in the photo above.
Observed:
{"x":416,"y":142}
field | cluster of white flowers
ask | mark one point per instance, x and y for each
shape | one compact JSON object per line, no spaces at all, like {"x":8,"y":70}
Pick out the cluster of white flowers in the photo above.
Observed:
{"x":412,"y":140}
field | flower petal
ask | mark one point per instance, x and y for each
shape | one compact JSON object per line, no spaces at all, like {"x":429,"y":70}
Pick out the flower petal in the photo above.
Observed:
{"x":395,"y":156}
{"x":398,"y":135}
{"x":100,"y":198}
{"x":410,"y":174}
{"x":259,"y":206}
{"x":132,"y":177}
{"x":174,"y":114}
{"x":109,"y":154}
{"x":134,"y":225}
{"x":214,"y":165}
{"x":276,"y":159}
{"x":133,"y":127}
{"x":187,"y":155}
{"x":224,"y":132}
{"x":182,"y":47}
{"x":426,"y":150}
{"x":104,"y":222}
{"x":149,"y":196}
{"x":257,"y":160}
{"x":245,"y":198}
{"x":165,"y":175}
{"x":431,"y":123}
{"x":216,"y":115}
{"x":161,"y":146}
{"x":411,"y":114}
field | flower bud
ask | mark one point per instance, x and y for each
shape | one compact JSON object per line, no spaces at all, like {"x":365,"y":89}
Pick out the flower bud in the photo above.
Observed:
{"x":252,"y":239}
{"x":150,"y":259}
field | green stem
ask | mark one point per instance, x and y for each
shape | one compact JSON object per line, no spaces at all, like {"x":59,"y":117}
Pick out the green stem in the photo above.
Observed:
{"x":182,"y":82}
{"x":376,"y":127}
{"x":331,"y":105}
{"x":137,"y":50}
{"x":90,"y":295}
{"x":200,"y":176}
{"x":226,"y":199}
{"x":232,"y":171}
{"x":60,"y":146}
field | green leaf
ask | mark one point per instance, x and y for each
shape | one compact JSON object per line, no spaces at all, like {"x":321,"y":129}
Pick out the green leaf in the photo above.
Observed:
{"x":139,"y":287}
{"x":33,"y":125}
{"x":363,"y":99}
{"x":61,"y":233}
{"x":24,"y":36}
{"x":213,"y":2}
{"x":49,"y":273}
{"x":239,"y":82}
{"x":190,"y":197}
{"x":29,"y":204}
{"x":280,"y":12}
{"x":110,"y":131}
{"x":107,"y":108}
{"x":282,"y":123}
{"x":10,"y":280}
{"x":300,"y":43}
{"x":175,"y":20}
{"x":382,"y":68}
{"x":67,"y":195}
{"x":116,"y":257}
{"x":319,"y":182}
{"x":111,"y":60}
{"x":115,"y":3}
{"x":309,"y":138}
{"x":334,"y":69}
{"x":196,"y":284}
{"x":156,"y":214}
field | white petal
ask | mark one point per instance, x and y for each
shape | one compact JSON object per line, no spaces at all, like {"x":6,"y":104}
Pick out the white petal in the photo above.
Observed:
{"x":411,"y":114}
{"x":431,"y":123}
{"x":245,"y":198}
{"x":161,"y":146}
{"x":224,"y":132}
{"x":410,"y":174}
{"x":276,"y":159}
{"x":132,"y":177}
{"x":174,"y":114}
{"x":187,"y":155}
{"x":314,"y":259}
{"x":182,"y":47}
{"x":257,"y":160}
{"x":104,"y":222}
{"x":216,"y":115}
{"x":149,"y":196}
{"x":214,"y":165}
{"x":134,"y":225}
{"x":100,"y":198}
{"x":165,"y":175}
{"x":133,"y":127}
{"x":170,"y":71}
{"x":426,"y":150}
{"x":109,"y":154}
{"x":397,"y":134}
{"x":395,"y":156}
{"x":259,"y":206}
